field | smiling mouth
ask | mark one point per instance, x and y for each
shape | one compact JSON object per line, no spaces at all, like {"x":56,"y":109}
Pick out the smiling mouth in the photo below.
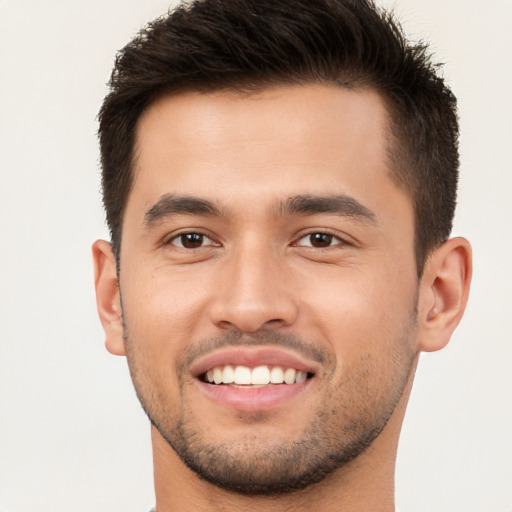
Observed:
{"x":259,"y":376}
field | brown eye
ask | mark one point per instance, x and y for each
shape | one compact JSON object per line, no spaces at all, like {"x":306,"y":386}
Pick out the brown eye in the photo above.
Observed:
{"x":319,"y":240}
{"x":190,"y":240}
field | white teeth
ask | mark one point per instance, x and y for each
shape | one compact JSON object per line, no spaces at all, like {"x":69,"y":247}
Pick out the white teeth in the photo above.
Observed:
{"x":242,"y":375}
{"x":259,"y":376}
{"x":276,"y":375}
{"x":217,"y":375}
{"x":228,"y":375}
{"x":289,"y":376}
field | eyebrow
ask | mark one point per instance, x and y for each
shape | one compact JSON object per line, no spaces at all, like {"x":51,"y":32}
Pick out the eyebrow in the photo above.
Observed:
{"x":169,"y":205}
{"x":343,"y":205}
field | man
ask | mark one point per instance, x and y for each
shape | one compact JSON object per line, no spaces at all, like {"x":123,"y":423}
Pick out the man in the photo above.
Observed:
{"x":279,"y":180}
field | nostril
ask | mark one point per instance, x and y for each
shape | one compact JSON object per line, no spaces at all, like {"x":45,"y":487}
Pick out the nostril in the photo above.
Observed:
{"x":249,"y":307}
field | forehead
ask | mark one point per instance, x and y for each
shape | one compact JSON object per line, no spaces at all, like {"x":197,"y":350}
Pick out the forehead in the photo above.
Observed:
{"x":251,"y":148}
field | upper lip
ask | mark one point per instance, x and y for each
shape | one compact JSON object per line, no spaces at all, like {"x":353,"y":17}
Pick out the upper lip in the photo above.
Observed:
{"x":252,"y":357}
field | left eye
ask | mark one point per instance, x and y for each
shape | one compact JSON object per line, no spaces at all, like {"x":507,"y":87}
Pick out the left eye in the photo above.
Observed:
{"x":191,"y":240}
{"x":319,"y":240}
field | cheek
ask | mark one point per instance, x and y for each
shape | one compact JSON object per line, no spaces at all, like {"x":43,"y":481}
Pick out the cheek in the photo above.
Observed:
{"x":163,"y":305}
{"x":359,"y":312}
{"x":159,"y":322}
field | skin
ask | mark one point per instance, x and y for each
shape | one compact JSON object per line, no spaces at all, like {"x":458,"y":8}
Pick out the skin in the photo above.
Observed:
{"x":255,"y":280}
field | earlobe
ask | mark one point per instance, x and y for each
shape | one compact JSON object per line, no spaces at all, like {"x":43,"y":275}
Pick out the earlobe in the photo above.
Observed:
{"x":444,"y":293}
{"x":108,"y":298}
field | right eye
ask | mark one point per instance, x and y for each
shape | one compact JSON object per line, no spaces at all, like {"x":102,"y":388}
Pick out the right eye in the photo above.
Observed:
{"x":191,"y":241}
{"x":319,"y":240}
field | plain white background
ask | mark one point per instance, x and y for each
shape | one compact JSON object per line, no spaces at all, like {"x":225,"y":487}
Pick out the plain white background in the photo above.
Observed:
{"x":72,"y":434}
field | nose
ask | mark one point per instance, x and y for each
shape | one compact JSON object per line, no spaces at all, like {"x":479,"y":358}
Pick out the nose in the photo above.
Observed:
{"x":254,"y":292}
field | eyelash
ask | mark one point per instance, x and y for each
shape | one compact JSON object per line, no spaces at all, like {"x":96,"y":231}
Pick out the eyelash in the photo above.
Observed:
{"x":332,"y":237}
{"x":180,"y":236}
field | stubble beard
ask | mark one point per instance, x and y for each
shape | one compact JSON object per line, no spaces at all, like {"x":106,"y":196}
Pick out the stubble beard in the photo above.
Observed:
{"x":344,"y":426}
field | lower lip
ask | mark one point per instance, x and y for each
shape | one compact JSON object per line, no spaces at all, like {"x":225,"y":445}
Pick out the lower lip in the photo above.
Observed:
{"x":253,"y":399}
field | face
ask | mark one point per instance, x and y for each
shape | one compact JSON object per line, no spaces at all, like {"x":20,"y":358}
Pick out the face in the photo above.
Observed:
{"x":268,"y":281}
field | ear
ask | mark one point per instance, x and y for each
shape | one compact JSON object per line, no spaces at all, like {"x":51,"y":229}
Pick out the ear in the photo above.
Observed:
{"x":444,"y":293}
{"x":108,"y":299}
